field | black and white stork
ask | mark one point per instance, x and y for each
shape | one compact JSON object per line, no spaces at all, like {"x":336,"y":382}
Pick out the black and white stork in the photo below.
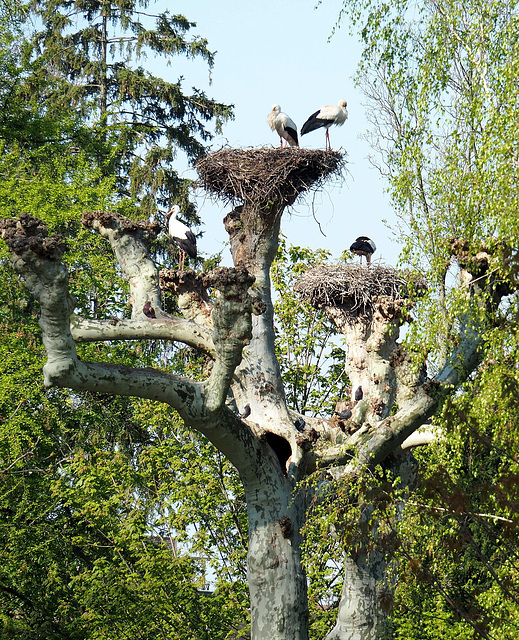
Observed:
{"x":363,"y":246}
{"x":325,"y":117}
{"x":181,"y":235}
{"x":284,"y":125}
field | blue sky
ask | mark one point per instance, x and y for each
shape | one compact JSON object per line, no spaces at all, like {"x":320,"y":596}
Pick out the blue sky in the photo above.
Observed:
{"x":280,"y":52}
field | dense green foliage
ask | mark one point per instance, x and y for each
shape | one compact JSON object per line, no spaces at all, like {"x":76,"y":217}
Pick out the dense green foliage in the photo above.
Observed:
{"x":308,"y":346}
{"x":86,"y":59}
{"x":93,"y":504}
{"x":103,"y":531}
{"x":440,"y":77}
{"x":459,"y":550}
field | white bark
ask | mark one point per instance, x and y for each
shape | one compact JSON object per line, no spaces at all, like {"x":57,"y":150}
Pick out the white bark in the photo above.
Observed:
{"x":276,"y":578}
{"x":163,"y":328}
{"x":271,"y":455}
{"x":367,"y":593}
{"x":371,"y":341}
{"x":360,"y":614}
{"x":128,"y":243}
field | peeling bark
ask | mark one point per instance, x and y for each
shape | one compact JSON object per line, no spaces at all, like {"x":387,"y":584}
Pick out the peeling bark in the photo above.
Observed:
{"x":276,"y":578}
{"x":234,"y":325}
{"x":368,"y":589}
{"x":129,"y":244}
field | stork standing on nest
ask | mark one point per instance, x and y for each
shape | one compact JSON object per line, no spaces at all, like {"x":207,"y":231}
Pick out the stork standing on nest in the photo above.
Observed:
{"x":325,"y":117}
{"x":363,"y":246}
{"x":181,"y":235}
{"x":284,"y":125}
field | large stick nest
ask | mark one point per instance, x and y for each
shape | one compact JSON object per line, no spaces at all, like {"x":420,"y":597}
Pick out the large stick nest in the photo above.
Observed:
{"x":356,"y":287}
{"x":266,"y":175}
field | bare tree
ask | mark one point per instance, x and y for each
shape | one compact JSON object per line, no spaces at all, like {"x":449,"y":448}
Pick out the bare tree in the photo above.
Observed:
{"x":228,"y":315}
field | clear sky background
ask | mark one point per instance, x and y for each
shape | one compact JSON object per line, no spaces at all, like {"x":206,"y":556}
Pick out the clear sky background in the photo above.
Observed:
{"x":270,"y":52}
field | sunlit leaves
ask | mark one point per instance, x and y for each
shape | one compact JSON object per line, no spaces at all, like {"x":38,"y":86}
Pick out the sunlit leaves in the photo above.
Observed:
{"x":307,"y":345}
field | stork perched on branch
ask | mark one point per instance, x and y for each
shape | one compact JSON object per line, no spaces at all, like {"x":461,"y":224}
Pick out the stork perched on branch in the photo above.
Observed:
{"x":284,"y":125}
{"x":325,"y":117}
{"x":181,"y":235}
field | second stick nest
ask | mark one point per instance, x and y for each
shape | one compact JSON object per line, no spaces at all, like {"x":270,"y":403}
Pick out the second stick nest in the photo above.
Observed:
{"x":356,"y":287}
{"x":266,"y":175}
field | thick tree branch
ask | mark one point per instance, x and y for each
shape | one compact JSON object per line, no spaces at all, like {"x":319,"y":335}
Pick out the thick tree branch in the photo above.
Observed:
{"x":164,"y":327}
{"x":38,"y":259}
{"x":373,"y":443}
{"x":232,"y":329}
{"x":129,"y":243}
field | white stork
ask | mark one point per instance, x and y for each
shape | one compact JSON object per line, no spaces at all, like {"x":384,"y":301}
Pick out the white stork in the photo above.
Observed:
{"x":363,"y":246}
{"x":284,"y":125}
{"x":181,"y":235}
{"x":325,"y":117}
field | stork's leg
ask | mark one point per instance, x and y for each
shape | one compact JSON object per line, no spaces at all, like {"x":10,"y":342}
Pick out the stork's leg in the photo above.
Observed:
{"x":181,"y":258}
{"x":328,"y":146}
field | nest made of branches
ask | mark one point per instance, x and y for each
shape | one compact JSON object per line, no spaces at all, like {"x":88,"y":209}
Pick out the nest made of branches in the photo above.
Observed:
{"x":268,"y":174}
{"x":356,"y":287}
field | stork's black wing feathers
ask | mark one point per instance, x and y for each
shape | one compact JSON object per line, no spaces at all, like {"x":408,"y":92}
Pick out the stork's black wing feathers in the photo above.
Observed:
{"x":313,"y":123}
{"x":292,"y":133}
{"x":188,"y":244}
{"x":361,"y":246}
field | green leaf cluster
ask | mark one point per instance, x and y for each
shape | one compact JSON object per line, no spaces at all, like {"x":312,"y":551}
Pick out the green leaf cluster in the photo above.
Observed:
{"x":440,"y":79}
{"x":307,"y":344}
{"x":104,"y":533}
{"x":99,"y":531}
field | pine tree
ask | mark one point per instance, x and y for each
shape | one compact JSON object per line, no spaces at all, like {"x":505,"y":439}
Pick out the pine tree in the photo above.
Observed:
{"x":86,"y":60}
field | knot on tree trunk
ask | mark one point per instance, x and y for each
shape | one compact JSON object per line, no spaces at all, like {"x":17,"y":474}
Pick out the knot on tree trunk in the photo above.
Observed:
{"x":387,"y":308}
{"x":114,"y":221}
{"x":229,"y":281}
{"x":410,"y":370}
{"x":193,"y":299}
{"x":232,"y":326}
{"x":267,"y":177}
{"x":26,"y":233}
{"x":178,"y":282}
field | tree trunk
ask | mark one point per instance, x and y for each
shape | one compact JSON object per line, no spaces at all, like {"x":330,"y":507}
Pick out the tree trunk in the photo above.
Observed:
{"x":367,"y":592}
{"x":364,"y":600}
{"x":277,"y":582}
{"x":271,"y":451}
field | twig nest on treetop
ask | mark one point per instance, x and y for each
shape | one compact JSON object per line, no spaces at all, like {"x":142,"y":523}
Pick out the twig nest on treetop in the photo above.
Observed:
{"x":359,"y":290}
{"x":266,"y":175}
